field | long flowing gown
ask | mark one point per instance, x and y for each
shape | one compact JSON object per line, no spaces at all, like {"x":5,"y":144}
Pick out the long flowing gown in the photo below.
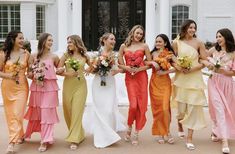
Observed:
{"x":43,"y":100}
{"x":15,"y":99}
{"x":74,"y":99}
{"x":103,"y":118}
{"x":221,"y":96}
{"x":137,"y":90}
{"x":188,"y":91}
{"x":160,"y":93}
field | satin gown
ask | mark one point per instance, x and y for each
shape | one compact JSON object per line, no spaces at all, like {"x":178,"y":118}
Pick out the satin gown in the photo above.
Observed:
{"x":188,"y":91}
{"x":43,"y":101}
{"x":15,"y":99}
{"x":160,"y":93}
{"x":221,"y":96}
{"x":74,"y":99}
{"x":137,"y":90}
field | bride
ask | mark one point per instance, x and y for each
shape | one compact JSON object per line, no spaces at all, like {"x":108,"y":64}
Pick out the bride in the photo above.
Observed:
{"x":103,"y":119}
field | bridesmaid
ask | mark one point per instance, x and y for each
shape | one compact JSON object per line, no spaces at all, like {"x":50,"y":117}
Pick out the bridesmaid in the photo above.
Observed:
{"x":14,"y":85}
{"x":160,"y":92}
{"x":221,"y":89}
{"x":188,"y":84}
{"x":133,"y":50}
{"x":74,"y":90}
{"x":43,"y":100}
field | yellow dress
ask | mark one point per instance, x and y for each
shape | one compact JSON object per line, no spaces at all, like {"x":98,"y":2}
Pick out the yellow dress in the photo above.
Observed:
{"x":15,"y":99}
{"x":188,"y":91}
{"x":74,"y":99}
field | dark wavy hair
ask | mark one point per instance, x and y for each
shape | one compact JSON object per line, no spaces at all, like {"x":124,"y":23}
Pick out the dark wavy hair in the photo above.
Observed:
{"x":9,"y":43}
{"x":184,"y":28}
{"x":41,"y":44}
{"x":166,"y":40}
{"x":229,"y":40}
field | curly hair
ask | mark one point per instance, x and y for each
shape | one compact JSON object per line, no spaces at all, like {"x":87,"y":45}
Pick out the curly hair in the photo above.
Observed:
{"x":130,"y":36}
{"x":77,"y":41}
{"x":9,"y":43}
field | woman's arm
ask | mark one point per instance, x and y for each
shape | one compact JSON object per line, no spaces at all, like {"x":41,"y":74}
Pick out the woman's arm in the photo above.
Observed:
{"x":2,"y":63}
{"x":121,"y":60}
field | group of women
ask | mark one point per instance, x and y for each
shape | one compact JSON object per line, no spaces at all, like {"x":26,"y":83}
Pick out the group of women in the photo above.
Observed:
{"x":102,"y":118}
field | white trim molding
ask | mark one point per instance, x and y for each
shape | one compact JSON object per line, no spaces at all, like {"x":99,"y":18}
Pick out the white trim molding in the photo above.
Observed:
{"x":31,"y":1}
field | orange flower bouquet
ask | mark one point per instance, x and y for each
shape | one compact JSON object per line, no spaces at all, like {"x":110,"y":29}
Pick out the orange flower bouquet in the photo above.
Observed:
{"x":15,"y":69}
{"x":164,"y":59}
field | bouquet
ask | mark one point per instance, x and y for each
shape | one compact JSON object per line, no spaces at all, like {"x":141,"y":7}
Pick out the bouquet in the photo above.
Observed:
{"x":38,"y":70}
{"x":185,"y":62}
{"x":164,"y":59}
{"x":134,"y":62}
{"x":74,"y":64}
{"x":218,"y":60}
{"x":15,"y":68}
{"x":102,"y":65}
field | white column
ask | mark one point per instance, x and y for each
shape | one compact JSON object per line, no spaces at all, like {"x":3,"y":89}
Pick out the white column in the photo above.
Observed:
{"x":164,"y":10}
{"x":28,"y":20}
{"x":151,"y":22}
{"x":62,"y":24}
{"x":77,"y":17}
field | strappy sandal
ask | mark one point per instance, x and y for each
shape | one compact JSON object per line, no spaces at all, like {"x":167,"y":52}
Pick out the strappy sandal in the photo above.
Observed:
{"x":127,"y":138}
{"x":181,"y":134}
{"x":43,"y":147}
{"x":225,"y":148}
{"x":214,"y":138}
{"x":20,"y":141}
{"x":190,"y":146}
{"x":170,"y":139}
{"x":10,"y":149}
{"x":160,"y":139}
{"x":135,"y":140}
{"x":73,"y":146}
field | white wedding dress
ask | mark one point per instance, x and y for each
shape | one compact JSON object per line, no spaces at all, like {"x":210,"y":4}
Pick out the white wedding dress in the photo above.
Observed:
{"x":102,"y":118}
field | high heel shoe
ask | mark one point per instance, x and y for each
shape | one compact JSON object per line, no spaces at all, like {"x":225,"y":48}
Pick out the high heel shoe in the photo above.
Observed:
{"x":135,"y":140}
{"x":181,"y":134}
{"x":43,"y":147}
{"x":214,"y":138}
{"x":73,"y":146}
{"x":10,"y":149}
{"x":127,"y":138}
{"x":225,"y":148}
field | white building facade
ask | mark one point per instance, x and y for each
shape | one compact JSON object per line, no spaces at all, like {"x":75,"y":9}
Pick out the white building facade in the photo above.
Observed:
{"x":65,"y":17}
{"x":91,"y":18}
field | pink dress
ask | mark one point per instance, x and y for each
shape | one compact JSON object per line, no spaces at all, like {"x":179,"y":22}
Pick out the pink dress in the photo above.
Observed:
{"x":221,"y":90}
{"x":42,"y":114}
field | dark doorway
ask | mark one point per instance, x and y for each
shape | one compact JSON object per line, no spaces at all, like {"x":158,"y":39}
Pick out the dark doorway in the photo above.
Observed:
{"x":116,"y":16}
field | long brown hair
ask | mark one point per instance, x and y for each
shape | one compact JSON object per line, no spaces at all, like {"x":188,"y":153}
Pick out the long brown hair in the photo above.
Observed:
{"x":77,"y":41}
{"x":130,"y":36}
{"x":184,"y":28}
{"x":41,"y":44}
{"x":105,"y":36}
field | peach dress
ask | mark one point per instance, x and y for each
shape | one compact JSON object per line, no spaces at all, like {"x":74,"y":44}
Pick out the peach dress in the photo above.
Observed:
{"x":15,"y":99}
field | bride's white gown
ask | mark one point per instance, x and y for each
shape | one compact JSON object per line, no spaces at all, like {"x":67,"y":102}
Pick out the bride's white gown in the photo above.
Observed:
{"x":102,"y":118}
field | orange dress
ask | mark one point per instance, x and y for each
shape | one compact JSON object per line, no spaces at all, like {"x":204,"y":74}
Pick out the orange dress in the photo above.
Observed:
{"x":15,"y":99}
{"x":137,"y":89}
{"x":160,"y":93}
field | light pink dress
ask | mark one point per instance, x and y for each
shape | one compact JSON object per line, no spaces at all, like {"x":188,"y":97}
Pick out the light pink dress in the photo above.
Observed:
{"x":42,"y":114}
{"x":221,"y":92}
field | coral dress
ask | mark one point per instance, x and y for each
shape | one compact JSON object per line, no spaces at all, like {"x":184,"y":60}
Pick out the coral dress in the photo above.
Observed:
{"x":188,"y":91}
{"x":221,"y":96}
{"x":42,"y":114}
{"x":74,"y":99}
{"x":15,"y":99}
{"x":160,"y":93}
{"x":137,"y":89}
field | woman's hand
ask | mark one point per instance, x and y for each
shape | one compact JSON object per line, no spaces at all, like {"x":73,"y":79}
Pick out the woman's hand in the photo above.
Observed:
{"x":161,"y":72}
{"x":60,"y":70}
{"x":130,"y":69}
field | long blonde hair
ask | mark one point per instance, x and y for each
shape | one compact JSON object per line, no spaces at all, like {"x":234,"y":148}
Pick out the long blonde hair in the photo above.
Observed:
{"x":105,"y":36}
{"x":77,"y":41}
{"x":130,"y":36}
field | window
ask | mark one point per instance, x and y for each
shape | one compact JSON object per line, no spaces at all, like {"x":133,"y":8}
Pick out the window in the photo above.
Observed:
{"x":180,"y":13}
{"x":9,"y":19}
{"x":40,"y":19}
